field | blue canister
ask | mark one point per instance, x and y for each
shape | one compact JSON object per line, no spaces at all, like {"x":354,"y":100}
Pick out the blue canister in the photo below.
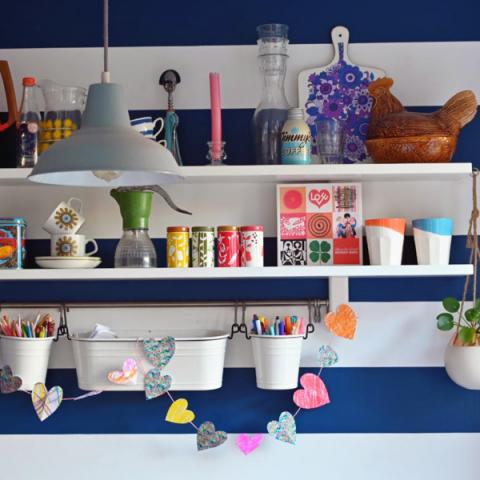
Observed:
{"x":12,"y":242}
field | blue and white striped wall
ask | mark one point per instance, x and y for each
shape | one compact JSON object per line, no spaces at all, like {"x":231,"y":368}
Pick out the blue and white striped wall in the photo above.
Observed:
{"x":394,"y":412}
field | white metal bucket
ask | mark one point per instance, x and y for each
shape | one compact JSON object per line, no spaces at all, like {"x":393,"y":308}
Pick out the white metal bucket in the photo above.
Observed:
{"x":277,"y":360}
{"x":197,"y":364}
{"x":431,"y":248}
{"x":463,"y":365}
{"x":27,"y":357}
{"x":385,"y":245}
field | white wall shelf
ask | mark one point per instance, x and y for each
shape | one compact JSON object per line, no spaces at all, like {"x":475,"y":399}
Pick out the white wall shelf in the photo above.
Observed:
{"x":296,"y":173}
{"x":364,"y":271}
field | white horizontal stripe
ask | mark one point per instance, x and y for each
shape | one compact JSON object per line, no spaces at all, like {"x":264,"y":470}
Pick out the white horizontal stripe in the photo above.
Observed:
{"x":339,"y":456}
{"x":389,"y":334}
{"x":234,"y":204}
{"x":425,"y":73}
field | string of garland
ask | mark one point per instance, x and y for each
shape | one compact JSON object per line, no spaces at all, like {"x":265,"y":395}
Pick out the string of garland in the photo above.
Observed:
{"x":158,"y":353}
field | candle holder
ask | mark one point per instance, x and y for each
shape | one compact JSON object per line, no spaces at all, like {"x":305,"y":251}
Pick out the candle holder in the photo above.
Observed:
{"x":216,"y":153}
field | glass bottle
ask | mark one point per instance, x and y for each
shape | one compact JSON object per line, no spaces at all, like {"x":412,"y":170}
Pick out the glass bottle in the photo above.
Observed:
{"x":28,"y":126}
{"x":272,"y":111}
{"x":135,"y":250}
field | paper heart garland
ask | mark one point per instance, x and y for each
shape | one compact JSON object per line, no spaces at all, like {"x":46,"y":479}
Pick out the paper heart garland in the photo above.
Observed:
{"x":319,"y":197}
{"x":285,"y":429}
{"x":343,"y":322}
{"x":314,"y":393}
{"x":248,"y":443}
{"x":159,"y":352}
{"x":178,"y":413}
{"x":156,"y":384}
{"x":126,"y":376}
{"x":8,"y":382}
{"x":207,"y":437}
{"x":46,"y":402}
{"x":327,"y":356}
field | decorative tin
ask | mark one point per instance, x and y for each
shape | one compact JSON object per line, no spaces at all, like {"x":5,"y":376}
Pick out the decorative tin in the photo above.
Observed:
{"x":12,"y":242}
{"x":228,"y":246}
{"x":251,"y":246}
{"x":178,"y":247}
{"x":203,"y":246}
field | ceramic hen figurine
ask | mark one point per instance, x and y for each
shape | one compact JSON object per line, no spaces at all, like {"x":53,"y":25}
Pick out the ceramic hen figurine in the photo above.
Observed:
{"x":398,"y":136}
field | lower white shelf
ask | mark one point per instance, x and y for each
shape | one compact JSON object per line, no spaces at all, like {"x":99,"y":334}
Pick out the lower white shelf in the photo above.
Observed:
{"x":237,"y":273}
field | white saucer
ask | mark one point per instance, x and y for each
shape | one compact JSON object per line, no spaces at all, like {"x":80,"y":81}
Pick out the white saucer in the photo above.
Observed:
{"x":68,"y":262}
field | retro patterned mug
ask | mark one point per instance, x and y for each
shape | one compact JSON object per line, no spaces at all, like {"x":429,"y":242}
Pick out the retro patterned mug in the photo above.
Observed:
{"x":146,"y":126}
{"x":65,"y":218}
{"x":64,"y":245}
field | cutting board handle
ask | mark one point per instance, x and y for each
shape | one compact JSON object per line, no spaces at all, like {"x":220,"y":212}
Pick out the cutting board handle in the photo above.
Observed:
{"x":340,"y":38}
{"x":10,"y":94}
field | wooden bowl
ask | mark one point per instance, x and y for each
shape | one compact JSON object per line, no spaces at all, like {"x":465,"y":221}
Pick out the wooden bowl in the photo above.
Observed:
{"x":415,"y":149}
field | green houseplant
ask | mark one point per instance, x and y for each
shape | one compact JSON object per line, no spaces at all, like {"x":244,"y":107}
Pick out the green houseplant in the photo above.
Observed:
{"x":467,"y":323}
{"x":462,"y":356}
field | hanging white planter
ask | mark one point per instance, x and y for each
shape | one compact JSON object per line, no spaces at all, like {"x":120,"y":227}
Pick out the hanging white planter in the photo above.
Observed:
{"x":463,"y":365}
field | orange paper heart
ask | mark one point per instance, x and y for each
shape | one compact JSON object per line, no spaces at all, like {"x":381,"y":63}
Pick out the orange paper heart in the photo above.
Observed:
{"x":343,"y":322}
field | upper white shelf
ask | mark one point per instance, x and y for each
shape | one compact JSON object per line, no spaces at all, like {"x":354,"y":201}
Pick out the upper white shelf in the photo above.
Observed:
{"x":297,"y":173}
{"x":237,"y":273}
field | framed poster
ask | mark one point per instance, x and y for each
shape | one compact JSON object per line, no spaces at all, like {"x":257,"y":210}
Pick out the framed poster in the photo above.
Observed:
{"x":319,"y":224}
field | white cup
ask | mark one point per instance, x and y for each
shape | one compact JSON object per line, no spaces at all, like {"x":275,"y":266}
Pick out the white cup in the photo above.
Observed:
{"x":146,"y":126}
{"x":65,"y":245}
{"x":65,"y":218}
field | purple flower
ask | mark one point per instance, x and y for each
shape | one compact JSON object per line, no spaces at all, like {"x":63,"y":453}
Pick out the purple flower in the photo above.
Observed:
{"x":333,"y":108}
{"x":350,"y":75}
{"x":326,"y":88}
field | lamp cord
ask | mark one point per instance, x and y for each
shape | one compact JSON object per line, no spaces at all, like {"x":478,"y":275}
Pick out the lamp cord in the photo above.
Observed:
{"x":105,"y":73}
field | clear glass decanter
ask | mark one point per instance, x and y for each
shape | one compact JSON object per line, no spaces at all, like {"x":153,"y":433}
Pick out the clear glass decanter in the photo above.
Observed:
{"x":135,"y":250}
{"x":272,"y":111}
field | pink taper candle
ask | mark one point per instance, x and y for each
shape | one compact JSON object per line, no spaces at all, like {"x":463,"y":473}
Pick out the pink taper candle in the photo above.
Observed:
{"x":216,"y":109}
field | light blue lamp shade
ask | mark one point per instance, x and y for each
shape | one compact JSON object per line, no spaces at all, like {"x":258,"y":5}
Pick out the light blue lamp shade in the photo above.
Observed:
{"x":106,"y":151}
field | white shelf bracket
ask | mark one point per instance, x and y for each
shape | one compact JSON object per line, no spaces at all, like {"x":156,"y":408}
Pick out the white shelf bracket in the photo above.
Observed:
{"x":337,"y":292}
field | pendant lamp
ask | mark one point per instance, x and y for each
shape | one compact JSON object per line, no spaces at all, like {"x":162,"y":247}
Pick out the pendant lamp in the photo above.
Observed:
{"x":106,"y":151}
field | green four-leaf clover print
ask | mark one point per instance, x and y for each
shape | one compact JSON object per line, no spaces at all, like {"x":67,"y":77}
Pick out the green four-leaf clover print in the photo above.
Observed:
{"x":320,"y":251}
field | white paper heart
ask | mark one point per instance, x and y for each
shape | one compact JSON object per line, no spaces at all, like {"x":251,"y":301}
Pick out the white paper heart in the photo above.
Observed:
{"x":46,"y":402}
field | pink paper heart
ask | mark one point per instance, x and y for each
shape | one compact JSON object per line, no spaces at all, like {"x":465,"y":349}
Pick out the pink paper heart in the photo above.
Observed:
{"x":128,"y":374}
{"x":319,"y":197}
{"x":314,"y":393}
{"x":248,"y":443}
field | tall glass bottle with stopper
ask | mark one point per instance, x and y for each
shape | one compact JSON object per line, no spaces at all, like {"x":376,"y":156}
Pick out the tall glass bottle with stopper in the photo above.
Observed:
{"x":272,"y":111}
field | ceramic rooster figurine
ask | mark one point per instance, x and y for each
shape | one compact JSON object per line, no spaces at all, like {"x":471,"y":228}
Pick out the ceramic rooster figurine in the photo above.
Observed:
{"x":398,"y":136}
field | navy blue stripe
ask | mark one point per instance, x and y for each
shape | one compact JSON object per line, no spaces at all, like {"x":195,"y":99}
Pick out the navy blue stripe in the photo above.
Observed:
{"x":149,"y":22}
{"x":194,"y":131}
{"x":363,"y":400}
{"x":373,"y":290}
{"x":106,"y":250}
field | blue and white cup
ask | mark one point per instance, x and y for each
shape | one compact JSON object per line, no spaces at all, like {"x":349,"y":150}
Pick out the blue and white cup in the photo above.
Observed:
{"x":433,"y":238}
{"x":146,"y":126}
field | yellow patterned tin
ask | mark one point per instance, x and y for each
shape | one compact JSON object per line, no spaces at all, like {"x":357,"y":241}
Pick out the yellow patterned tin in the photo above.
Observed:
{"x":178,"y":247}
